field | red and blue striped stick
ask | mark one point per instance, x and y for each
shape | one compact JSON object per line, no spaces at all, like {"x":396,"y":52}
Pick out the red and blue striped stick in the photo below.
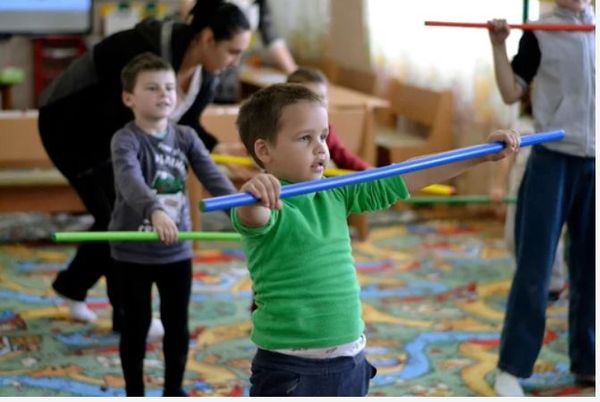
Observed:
{"x":427,"y":162}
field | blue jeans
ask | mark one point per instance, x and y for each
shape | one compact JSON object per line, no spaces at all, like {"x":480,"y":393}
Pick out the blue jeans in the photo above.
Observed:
{"x":276,"y":374}
{"x":556,"y":189}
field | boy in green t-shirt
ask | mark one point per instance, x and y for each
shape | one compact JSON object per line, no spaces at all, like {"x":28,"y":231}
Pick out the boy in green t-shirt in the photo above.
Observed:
{"x":308,"y":325}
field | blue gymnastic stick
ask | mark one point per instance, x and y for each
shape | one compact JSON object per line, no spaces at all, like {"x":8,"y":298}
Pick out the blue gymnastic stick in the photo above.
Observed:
{"x":427,"y":162}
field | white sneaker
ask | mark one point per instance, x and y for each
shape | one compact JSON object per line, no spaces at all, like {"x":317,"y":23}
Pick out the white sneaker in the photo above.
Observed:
{"x":80,"y":311}
{"x":507,"y":385}
{"x":156,"y":330}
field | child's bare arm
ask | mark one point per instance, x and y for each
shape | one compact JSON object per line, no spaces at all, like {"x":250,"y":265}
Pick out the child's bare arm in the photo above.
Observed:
{"x":509,"y":88}
{"x":417,"y":180}
{"x":267,"y":188}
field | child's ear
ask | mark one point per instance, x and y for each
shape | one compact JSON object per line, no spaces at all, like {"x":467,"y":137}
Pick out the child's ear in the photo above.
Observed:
{"x":127,"y":98}
{"x":262,"y":150}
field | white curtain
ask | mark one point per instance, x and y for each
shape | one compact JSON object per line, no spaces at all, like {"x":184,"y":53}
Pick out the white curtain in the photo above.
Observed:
{"x":459,"y":59}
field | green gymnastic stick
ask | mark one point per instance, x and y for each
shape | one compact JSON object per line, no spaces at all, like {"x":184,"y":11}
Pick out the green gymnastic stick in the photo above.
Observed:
{"x":139,"y":236}
{"x":457,"y":199}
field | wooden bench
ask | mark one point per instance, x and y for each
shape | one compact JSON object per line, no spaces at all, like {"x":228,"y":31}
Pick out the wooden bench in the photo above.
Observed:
{"x":28,"y":180}
{"x":374,"y":81}
{"x":421,"y":123}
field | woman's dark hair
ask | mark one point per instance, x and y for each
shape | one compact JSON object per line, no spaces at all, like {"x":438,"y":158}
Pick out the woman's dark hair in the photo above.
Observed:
{"x":224,"y":19}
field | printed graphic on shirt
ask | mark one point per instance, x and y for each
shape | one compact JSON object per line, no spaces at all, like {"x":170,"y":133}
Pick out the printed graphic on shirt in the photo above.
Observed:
{"x":165,"y":183}
{"x":168,"y":158}
{"x":172,"y":204}
{"x":169,"y":180}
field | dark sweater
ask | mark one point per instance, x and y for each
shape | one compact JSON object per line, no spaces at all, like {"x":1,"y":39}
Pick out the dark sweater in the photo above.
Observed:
{"x":85,"y":100}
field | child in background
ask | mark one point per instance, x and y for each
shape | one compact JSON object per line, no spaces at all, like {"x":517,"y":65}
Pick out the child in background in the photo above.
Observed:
{"x":316,"y":81}
{"x":308,"y":325}
{"x":558,"y":188}
{"x":150,"y":158}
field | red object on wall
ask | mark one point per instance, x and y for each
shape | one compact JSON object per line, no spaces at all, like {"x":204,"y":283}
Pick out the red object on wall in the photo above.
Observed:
{"x":51,"y":56}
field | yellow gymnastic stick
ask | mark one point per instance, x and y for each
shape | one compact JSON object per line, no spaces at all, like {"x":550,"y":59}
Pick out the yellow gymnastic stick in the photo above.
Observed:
{"x":234,"y":160}
{"x":437,"y":189}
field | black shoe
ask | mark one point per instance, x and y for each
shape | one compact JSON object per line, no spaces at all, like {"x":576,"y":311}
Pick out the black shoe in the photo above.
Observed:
{"x":179,"y":392}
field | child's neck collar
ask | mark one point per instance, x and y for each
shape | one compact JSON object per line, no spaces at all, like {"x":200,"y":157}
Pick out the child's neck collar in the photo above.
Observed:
{"x":153,"y":127}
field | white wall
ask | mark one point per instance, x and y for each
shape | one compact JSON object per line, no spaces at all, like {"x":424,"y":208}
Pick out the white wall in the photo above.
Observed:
{"x":349,"y":44}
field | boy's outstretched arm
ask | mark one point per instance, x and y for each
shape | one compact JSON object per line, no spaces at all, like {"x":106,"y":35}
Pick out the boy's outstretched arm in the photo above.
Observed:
{"x":267,"y":188}
{"x":417,"y":180}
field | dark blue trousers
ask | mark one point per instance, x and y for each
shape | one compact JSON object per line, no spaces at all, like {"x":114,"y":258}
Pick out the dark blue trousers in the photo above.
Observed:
{"x":556,"y":189}
{"x":276,"y":374}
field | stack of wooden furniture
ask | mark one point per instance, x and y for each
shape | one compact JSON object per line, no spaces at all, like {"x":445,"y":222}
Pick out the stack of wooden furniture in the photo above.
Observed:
{"x":28,"y":180}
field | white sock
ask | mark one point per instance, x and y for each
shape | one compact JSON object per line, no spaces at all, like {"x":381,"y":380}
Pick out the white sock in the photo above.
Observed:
{"x":156,"y":330}
{"x":507,"y":384}
{"x":80,"y":311}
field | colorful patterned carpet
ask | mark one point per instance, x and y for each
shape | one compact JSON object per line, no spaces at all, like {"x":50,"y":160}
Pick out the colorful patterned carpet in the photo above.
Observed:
{"x":433,"y":293}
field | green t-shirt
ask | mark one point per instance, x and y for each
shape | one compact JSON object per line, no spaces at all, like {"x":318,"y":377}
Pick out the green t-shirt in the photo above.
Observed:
{"x":304,"y":280}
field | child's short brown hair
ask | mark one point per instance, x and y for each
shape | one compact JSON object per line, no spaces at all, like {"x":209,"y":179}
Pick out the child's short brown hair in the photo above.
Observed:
{"x":141,"y":63}
{"x":259,"y":116}
{"x":307,"y":75}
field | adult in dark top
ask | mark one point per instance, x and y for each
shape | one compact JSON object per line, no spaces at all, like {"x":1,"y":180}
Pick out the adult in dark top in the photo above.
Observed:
{"x":82,"y":109}
{"x":260,"y":17}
